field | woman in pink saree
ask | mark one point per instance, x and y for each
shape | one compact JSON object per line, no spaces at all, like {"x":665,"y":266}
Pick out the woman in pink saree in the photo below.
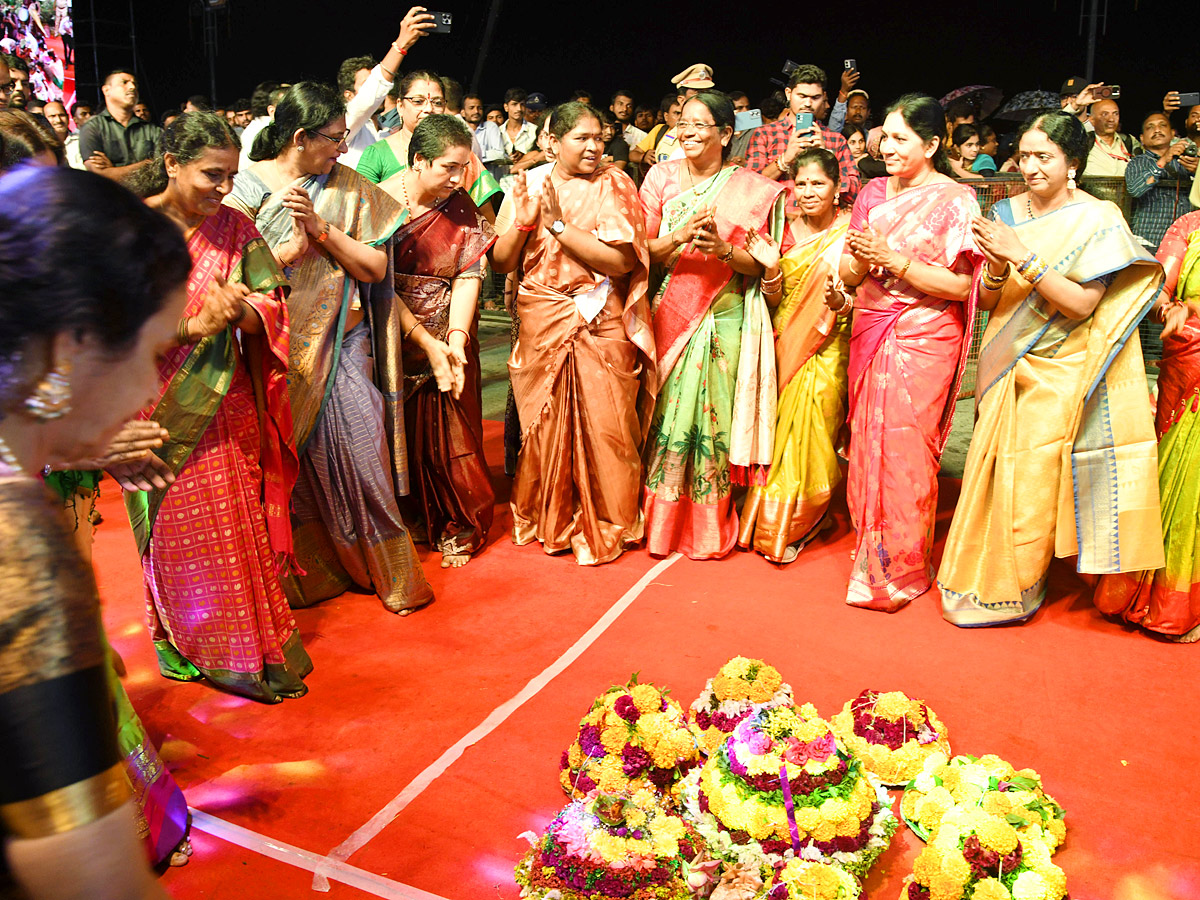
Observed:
{"x":911,"y":255}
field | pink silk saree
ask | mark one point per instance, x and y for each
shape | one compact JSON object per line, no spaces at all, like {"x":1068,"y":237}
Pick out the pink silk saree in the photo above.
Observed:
{"x":907,"y":351}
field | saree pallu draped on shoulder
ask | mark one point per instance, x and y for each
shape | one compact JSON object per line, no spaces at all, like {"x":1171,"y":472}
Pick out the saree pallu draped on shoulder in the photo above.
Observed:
{"x":811,"y":351}
{"x":1063,"y":458}
{"x":211,"y":542}
{"x":582,"y":386}
{"x":715,"y":417}
{"x":452,"y":486}
{"x":348,"y":412}
{"x":1167,"y":600}
{"x":907,"y":351}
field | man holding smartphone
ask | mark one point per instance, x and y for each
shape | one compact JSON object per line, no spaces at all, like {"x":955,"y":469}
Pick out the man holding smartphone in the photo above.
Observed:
{"x":773,"y":148}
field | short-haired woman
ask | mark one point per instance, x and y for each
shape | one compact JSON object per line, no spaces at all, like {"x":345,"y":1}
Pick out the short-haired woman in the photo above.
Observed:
{"x":331,"y":230}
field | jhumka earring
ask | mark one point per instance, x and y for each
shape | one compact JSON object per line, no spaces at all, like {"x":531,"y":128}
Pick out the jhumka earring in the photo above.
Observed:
{"x":51,"y":399}
{"x":1071,"y":181}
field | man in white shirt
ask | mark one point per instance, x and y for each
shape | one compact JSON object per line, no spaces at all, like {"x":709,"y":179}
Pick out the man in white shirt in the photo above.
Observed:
{"x":365,"y":84}
{"x":489,"y":145}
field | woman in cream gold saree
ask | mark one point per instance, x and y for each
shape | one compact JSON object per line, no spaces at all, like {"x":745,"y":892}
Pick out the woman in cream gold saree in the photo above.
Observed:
{"x":1063,"y":459}
{"x":811,"y":351}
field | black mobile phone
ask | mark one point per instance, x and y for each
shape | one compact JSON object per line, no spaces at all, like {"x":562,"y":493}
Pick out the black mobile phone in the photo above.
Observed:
{"x":850,"y":64}
{"x":441,"y":22}
{"x":1109,"y":92}
{"x":1191,"y":98}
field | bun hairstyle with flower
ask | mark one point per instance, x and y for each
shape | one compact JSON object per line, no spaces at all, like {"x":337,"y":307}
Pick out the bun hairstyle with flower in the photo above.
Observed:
{"x":435,"y":134}
{"x":927,"y":119}
{"x":307,"y":106}
{"x":1065,"y":132}
{"x":84,"y":252}
{"x":185,"y":139}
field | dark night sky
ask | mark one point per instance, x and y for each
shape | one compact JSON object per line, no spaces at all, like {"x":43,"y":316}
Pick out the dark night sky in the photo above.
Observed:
{"x":553,"y":47}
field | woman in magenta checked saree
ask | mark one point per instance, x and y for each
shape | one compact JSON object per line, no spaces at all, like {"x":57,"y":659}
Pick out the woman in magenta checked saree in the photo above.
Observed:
{"x":1167,"y":600}
{"x":438,"y":254}
{"x":213,"y":541}
{"x":715,"y":416}
{"x":911,"y":255}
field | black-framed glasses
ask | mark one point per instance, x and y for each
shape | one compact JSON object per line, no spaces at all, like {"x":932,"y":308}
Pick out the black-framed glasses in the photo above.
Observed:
{"x":336,"y":141}
{"x":433,"y":102}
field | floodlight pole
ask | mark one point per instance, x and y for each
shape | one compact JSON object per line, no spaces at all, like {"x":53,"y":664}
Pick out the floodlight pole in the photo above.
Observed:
{"x":488,"y":31}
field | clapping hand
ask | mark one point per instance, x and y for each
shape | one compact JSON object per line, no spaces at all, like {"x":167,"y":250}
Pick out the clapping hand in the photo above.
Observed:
{"x":299,"y":203}
{"x":835,"y":297}
{"x":870,"y":247}
{"x":997,"y":242}
{"x":551,"y":210}
{"x":222,"y":306}
{"x":763,"y":249}
{"x":525,"y":206}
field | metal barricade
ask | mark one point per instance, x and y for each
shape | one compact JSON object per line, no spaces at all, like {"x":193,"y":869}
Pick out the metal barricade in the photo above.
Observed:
{"x":998,"y":187}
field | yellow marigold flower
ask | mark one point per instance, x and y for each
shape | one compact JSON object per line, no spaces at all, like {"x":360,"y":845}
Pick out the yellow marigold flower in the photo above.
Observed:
{"x":824,"y":830}
{"x":834,"y":810}
{"x":996,"y":834}
{"x":724,"y":688}
{"x":862,"y":804}
{"x":663,"y":755}
{"x":1057,"y":829}
{"x":1030,"y":773}
{"x":595,"y":717}
{"x":1029,"y":886}
{"x":759,"y":693}
{"x":945,"y":887}
{"x":931,"y":807}
{"x":614,"y":739}
{"x":891,"y":705}
{"x":997,"y":803}
{"x":769,"y":677}
{"x":760,"y":829}
{"x":908,"y":804}
{"x":646,"y":697}
{"x":997,"y":766}
{"x":1035,"y":854}
{"x":990,"y":889}
{"x":807,"y":818}
{"x":955,"y":865}
{"x":574,"y":755}
{"x":738,"y":667}
{"x":849,"y":826}
{"x":1056,"y":881}
{"x":928,"y":864}
{"x":952,"y":780}
{"x":808,"y":711}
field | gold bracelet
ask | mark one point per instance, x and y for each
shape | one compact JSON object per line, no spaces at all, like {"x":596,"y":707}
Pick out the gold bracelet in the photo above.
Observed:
{"x":182,"y":335}
{"x":903,"y":270}
{"x":408,"y":333}
{"x":995,"y":282}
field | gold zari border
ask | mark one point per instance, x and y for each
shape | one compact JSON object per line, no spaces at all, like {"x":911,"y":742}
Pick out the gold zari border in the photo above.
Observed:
{"x":68,"y":807}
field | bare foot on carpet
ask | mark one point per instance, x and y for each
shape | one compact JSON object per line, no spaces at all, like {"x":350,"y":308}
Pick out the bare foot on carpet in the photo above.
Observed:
{"x":455,"y":560}
{"x":182,"y":854}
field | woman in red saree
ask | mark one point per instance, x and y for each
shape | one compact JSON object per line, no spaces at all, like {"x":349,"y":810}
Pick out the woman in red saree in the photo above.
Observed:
{"x":715,"y":417}
{"x":212,"y":542}
{"x":911,"y":254}
{"x":438,"y":254}
{"x":1167,"y":600}
{"x":581,"y":366}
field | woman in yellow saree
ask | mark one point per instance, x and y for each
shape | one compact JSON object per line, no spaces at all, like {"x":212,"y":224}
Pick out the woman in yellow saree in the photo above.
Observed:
{"x":811,"y":351}
{"x":1063,"y":459}
{"x":1167,"y":600}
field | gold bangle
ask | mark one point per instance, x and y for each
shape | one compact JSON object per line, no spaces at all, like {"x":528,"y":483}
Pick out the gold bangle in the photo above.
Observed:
{"x":182,"y":334}
{"x":903,"y":270}
{"x":408,"y":333}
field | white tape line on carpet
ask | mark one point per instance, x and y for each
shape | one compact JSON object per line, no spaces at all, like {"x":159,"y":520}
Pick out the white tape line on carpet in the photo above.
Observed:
{"x":303,"y":859}
{"x":414,"y":788}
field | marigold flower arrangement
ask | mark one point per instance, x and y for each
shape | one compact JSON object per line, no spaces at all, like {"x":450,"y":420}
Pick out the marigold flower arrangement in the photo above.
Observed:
{"x":807,"y":880}
{"x":975,"y":855}
{"x":841,"y":812}
{"x":891,"y":733}
{"x":611,"y":846}
{"x":633,"y":737}
{"x":987,"y":782}
{"x":740,"y":687}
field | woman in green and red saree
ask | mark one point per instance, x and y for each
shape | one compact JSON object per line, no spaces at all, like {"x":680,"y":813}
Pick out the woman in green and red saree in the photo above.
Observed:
{"x":1167,"y":600}
{"x":420,"y":94}
{"x":910,"y":253}
{"x":438,"y":262}
{"x":715,"y":416}
{"x":212,"y":542}
{"x":331,"y":229}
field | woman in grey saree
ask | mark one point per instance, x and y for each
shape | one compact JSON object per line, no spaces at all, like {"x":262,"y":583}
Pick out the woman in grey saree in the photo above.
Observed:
{"x":331,"y":230}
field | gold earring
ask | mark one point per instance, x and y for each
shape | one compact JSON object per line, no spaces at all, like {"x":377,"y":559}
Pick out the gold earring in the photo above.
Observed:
{"x":51,"y":399}
{"x":1071,"y":180}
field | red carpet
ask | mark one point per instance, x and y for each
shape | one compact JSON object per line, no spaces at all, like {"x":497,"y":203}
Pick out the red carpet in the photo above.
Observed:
{"x":1107,"y":715}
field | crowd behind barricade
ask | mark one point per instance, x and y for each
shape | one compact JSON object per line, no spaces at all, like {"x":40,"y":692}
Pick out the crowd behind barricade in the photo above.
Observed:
{"x":719,"y":309}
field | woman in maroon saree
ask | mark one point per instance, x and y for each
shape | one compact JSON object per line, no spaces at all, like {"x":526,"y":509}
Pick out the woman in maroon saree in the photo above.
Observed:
{"x":438,"y":273}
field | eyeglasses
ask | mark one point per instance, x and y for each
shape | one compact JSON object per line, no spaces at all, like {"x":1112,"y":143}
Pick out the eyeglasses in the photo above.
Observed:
{"x":433,"y":102}
{"x":336,"y":141}
{"x":693,"y":126}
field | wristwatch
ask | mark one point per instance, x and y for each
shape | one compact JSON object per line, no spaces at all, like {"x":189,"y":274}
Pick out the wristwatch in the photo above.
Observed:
{"x":557,"y":227}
